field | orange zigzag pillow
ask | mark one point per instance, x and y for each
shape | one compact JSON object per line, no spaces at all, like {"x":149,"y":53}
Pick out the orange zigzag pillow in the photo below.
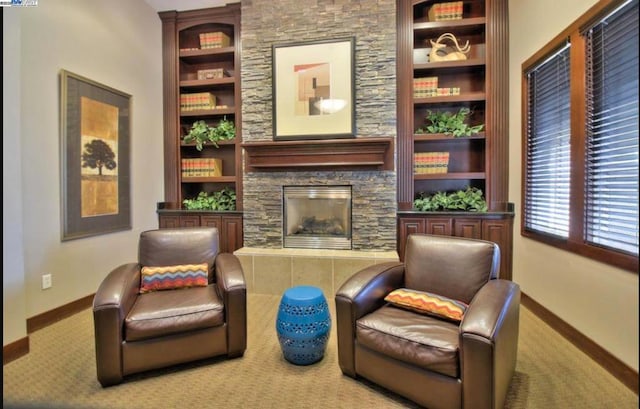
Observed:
{"x":173,"y":277}
{"x":427,"y":303}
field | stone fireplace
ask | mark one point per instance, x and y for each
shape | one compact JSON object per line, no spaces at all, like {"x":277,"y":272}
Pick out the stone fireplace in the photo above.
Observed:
{"x":269,"y":265}
{"x":271,"y":268}
{"x":316,"y":217}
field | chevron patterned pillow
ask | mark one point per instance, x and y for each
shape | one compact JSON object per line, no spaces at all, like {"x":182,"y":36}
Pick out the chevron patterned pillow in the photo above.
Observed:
{"x":427,"y":303}
{"x":173,"y":277}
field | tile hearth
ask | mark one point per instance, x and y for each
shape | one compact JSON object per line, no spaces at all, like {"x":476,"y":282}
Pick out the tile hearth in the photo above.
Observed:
{"x":272,"y":271}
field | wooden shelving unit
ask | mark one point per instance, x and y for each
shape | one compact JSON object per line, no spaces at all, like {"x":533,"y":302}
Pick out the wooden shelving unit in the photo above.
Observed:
{"x":183,"y":58}
{"x":479,"y":161}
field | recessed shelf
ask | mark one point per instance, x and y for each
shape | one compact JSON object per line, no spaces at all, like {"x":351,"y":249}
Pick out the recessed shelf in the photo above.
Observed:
{"x":217,"y":179}
{"x":206,"y":55}
{"x":445,"y":137}
{"x":207,"y":83}
{"x":209,"y":112}
{"x":451,"y":176}
{"x":467,"y":97}
{"x":462,"y":25}
{"x":475,"y":62}
{"x":208,"y":144}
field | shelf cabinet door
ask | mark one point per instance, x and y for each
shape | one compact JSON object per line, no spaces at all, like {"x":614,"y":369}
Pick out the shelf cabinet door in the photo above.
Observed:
{"x":211,"y":221}
{"x":442,"y":226}
{"x":500,"y":232}
{"x":189,"y":221}
{"x":229,"y":227}
{"x":407,"y":226}
{"x":169,"y":222}
{"x":232,"y":230}
{"x":470,"y":228}
{"x":177,"y":221}
{"x":484,"y":226}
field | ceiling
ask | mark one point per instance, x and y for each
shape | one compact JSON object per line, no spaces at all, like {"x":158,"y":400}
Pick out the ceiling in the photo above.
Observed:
{"x":181,"y":5}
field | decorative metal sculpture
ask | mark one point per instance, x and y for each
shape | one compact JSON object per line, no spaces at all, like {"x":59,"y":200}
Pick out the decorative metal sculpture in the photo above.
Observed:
{"x":441,"y":51}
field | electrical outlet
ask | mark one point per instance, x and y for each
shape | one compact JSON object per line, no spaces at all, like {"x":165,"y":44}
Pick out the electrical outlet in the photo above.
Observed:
{"x":46,"y":281}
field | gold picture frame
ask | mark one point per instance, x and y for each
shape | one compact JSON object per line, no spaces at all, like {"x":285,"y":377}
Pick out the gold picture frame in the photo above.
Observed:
{"x":95,"y":157}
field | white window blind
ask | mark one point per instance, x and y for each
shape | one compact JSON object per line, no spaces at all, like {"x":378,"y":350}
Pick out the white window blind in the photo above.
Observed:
{"x":611,"y":200}
{"x":548,"y":146}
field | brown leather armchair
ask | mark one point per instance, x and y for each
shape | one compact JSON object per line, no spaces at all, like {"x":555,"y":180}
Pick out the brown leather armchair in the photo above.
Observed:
{"x":136,"y":332}
{"x":434,"y":362}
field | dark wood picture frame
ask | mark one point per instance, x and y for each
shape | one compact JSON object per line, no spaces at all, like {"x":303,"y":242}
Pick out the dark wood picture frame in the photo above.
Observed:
{"x":314,"y":90}
{"x":95,"y":157}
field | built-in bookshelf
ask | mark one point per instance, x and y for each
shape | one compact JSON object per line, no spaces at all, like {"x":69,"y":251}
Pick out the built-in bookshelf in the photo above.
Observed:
{"x":437,"y":162}
{"x":201,"y":63}
{"x":201,"y":83}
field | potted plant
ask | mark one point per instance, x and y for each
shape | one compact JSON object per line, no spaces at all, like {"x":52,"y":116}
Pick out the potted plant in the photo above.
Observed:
{"x":449,"y":123}
{"x":469,"y":200}
{"x":224,"y":199}
{"x":201,"y":133}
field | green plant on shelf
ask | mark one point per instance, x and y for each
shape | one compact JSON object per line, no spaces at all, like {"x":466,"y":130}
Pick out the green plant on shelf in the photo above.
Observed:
{"x":449,"y":123}
{"x":201,"y":133}
{"x":224,"y":199}
{"x":469,"y":200}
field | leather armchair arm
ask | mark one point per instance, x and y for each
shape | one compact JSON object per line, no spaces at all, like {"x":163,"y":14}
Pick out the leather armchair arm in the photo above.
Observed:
{"x":366,"y":289}
{"x":359,"y":295}
{"x":233,"y":290}
{"x":489,"y":343}
{"x":111,"y":304}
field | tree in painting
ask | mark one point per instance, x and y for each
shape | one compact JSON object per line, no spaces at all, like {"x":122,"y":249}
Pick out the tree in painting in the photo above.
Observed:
{"x":97,"y":154}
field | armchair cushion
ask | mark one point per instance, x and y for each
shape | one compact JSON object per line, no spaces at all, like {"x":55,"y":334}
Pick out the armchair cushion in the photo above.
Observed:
{"x":173,"y":277}
{"x":427,"y":303}
{"x":416,"y":339}
{"x":162,"y":313}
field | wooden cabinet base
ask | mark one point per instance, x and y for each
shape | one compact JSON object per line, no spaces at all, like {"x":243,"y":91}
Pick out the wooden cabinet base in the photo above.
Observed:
{"x":492,"y":226}
{"x":229,"y":224}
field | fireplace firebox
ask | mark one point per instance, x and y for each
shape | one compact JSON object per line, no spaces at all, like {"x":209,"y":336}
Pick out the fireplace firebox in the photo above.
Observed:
{"x":317,"y":217}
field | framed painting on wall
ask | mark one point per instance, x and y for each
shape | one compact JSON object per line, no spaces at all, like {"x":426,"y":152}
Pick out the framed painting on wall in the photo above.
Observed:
{"x":95,"y":155}
{"x":313,"y":90}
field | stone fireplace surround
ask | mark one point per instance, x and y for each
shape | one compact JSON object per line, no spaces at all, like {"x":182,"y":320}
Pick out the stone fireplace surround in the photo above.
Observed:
{"x":270,"y":268}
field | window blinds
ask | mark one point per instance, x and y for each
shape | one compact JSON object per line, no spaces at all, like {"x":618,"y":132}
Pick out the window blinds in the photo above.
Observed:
{"x":548,"y":146}
{"x":611,"y":200}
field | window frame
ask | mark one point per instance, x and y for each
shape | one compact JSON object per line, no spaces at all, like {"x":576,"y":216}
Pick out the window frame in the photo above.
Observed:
{"x":575,"y":242}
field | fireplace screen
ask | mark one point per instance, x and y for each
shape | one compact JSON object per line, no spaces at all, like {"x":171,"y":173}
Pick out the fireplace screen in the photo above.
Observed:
{"x":317,"y":217}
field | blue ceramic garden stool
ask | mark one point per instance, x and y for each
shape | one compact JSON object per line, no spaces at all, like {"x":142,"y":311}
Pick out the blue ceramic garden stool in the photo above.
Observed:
{"x":303,"y":325}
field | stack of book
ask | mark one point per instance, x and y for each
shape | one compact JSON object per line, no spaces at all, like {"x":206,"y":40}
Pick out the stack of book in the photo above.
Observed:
{"x":214,"y":40}
{"x":446,"y":11}
{"x":201,"y":167}
{"x":443,"y":92}
{"x":430,"y":162}
{"x":425,"y":87}
{"x":197,"y":101}
{"x":211,"y":74}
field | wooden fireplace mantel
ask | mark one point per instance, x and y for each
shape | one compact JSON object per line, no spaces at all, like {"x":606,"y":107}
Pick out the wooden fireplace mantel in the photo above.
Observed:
{"x":324,"y":154}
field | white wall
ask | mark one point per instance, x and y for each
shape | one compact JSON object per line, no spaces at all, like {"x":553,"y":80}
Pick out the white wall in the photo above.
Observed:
{"x":117,"y":43}
{"x":598,"y":300}
{"x":13,"y":294}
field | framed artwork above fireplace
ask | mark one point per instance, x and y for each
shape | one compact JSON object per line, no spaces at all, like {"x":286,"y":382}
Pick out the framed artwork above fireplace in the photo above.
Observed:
{"x":313,"y":90}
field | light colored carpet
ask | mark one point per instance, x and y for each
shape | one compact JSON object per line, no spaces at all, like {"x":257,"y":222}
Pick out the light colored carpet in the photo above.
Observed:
{"x":59,"y":372}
